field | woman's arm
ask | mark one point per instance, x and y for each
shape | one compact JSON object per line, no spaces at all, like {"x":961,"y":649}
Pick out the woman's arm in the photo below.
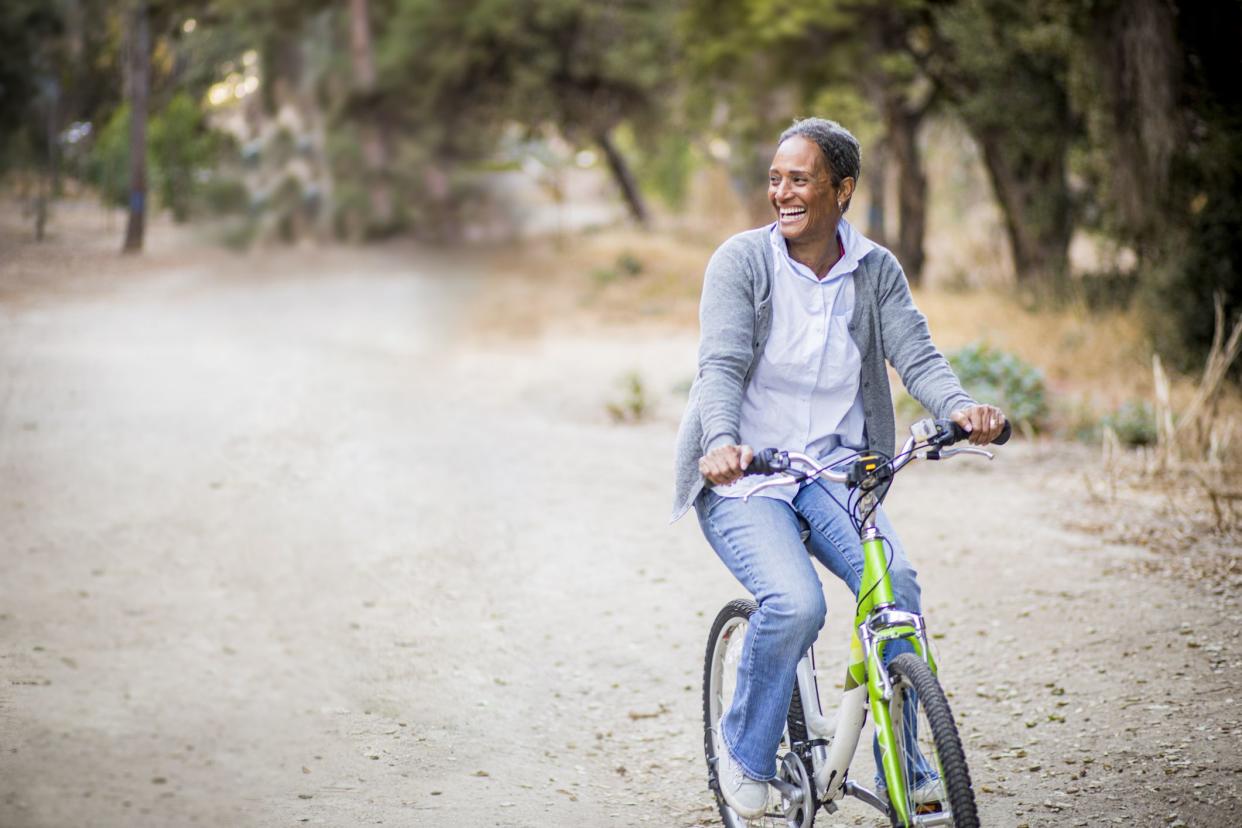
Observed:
{"x":908,"y":346}
{"x":726,"y":344}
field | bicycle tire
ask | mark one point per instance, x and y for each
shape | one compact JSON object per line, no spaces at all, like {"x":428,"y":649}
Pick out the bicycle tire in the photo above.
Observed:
{"x":730,"y":621}
{"x":937,"y":734}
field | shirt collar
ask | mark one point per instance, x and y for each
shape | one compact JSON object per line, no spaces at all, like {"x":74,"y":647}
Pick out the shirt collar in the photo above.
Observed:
{"x":856,"y":247}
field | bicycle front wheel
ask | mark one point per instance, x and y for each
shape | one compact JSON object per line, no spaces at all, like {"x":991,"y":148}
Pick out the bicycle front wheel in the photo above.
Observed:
{"x":937,"y":779}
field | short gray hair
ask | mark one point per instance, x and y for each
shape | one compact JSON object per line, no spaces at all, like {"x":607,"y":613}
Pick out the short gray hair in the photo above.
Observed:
{"x":841,"y":151}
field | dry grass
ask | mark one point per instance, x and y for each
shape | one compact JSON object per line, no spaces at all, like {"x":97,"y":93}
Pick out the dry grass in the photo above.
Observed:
{"x":580,"y":284}
{"x":1183,"y":497}
{"x":1093,"y":362}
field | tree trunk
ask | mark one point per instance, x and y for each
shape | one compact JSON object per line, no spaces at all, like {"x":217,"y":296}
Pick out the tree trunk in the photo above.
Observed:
{"x":1034,"y":196}
{"x":1138,"y":63}
{"x":891,"y":93}
{"x":373,"y":137}
{"x":139,"y":88}
{"x":903,"y":145}
{"x":877,"y":188}
{"x":624,"y":178}
{"x":53,"y":133}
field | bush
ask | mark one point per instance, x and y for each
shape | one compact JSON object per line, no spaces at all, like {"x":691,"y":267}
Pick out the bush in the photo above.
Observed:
{"x":635,"y":406}
{"x":108,"y":162}
{"x":1134,"y":423}
{"x":629,"y":264}
{"x":994,"y":376}
{"x":221,"y":196}
{"x":180,"y":145}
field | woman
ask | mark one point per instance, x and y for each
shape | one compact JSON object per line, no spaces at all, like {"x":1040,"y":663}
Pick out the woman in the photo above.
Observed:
{"x":797,"y":321}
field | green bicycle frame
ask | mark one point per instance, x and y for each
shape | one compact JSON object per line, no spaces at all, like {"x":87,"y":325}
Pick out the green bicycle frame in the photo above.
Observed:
{"x":876,"y":593}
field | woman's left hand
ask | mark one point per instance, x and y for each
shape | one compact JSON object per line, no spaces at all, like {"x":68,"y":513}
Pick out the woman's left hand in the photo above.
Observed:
{"x":982,"y":422}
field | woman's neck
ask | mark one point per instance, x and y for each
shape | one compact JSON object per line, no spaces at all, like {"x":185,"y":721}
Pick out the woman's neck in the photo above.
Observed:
{"x":818,"y":255}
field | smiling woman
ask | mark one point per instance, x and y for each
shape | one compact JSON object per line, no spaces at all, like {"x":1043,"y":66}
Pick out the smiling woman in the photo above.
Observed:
{"x":809,"y":193}
{"x":798,"y":319}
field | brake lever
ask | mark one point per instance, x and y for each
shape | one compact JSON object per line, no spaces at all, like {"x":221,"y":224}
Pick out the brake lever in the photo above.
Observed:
{"x":784,"y":480}
{"x":967,"y":450}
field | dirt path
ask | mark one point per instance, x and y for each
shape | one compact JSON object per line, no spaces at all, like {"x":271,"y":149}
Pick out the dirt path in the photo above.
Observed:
{"x":281,"y":545}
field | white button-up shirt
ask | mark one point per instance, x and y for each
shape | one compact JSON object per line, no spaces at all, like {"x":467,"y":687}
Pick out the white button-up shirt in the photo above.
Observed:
{"x":803,"y":393}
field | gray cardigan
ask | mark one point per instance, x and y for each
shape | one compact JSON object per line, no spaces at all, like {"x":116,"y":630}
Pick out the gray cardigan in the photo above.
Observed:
{"x":735,"y":317}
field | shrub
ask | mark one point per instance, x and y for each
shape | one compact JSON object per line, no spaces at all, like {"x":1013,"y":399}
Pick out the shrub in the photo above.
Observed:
{"x":180,"y":145}
{"x":221,"y":195}
{"x":629,"y":264}
{"x":994,"y":376}
{"x":635,"y":406}
{"x":1134,"y":423}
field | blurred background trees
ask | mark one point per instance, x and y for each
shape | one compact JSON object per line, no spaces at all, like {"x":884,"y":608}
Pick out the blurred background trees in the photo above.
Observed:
{"x":359,"y":119}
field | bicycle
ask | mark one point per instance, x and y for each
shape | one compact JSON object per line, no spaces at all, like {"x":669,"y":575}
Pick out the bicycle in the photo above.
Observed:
{"x":816,"y":750}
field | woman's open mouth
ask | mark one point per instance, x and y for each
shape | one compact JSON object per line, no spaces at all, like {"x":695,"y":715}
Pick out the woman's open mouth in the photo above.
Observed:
{"x":792,"y":215}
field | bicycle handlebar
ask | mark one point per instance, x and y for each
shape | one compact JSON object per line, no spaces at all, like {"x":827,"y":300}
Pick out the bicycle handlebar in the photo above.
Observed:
{"x":933,"y":435}
{"x":958,"y":433}
{"x":768,"y":461}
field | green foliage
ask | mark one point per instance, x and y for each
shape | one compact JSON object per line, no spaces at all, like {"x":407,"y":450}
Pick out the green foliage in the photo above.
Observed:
{"x":108,"y":162}
{"x":1202,"y":252}
{"x":1134,"y":423}
{"x":663,"y":163}
{"x":181,"y":146}
{"x":28,"y":38}
{"x":1000,"y":378}
{"x":629,"y":264}
{"x":221,"y":195}
{"x":182,"y":153}
{"x":583,"y":66}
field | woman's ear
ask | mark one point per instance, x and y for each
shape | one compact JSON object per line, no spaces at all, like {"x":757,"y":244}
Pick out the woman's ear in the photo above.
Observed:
{"x":847,"y":189}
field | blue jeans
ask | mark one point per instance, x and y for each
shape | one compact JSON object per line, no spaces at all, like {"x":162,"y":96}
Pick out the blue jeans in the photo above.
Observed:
{"x":760,"y":541}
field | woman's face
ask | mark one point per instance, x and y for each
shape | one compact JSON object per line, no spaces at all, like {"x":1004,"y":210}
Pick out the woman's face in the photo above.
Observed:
{"x":800,"y":190}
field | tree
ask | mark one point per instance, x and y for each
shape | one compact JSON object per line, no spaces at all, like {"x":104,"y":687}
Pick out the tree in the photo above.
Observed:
{"x":1166,"y":135}
{"x":30,"y":98}
{"x":375,"y":139}
{"x":455,"y":74}
{"x":138,"y":95}
{"x":1003,"y":66}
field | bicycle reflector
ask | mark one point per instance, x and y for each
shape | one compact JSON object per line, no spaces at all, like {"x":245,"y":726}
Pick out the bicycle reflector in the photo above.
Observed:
{"x":868,"y":471}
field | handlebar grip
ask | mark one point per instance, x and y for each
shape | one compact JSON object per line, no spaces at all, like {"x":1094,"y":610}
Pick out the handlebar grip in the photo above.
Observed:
{"x":958,"y":433}
{"x":768,"y":461}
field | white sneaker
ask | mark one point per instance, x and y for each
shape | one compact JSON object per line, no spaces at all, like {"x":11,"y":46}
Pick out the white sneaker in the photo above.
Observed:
{"x":929,"y":792}
{"x":747,"y":797}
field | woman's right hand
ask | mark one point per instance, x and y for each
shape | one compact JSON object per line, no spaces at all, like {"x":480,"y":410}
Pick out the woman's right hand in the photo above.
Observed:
{"x":724,"y":464}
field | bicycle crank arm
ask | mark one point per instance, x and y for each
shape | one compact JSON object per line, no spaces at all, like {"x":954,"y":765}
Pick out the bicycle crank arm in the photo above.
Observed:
{"x":789,"y":791}
{"x":857,"y":791}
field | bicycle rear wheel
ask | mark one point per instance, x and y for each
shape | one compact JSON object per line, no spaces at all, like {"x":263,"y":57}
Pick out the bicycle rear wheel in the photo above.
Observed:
{"x":724,"y":652}
{"x":928,"y":743}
